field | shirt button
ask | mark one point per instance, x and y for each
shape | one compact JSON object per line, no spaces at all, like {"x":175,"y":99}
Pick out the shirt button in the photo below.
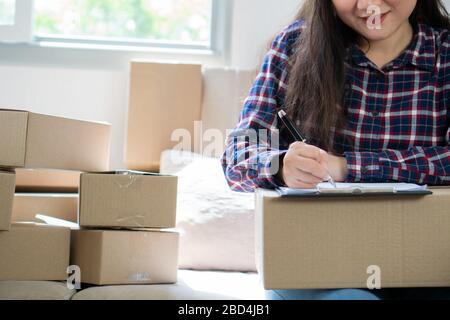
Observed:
{"x":375,"y":114}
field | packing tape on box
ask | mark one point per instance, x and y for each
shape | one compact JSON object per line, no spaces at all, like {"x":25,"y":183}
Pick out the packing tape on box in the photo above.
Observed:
{"x":127,"y":183}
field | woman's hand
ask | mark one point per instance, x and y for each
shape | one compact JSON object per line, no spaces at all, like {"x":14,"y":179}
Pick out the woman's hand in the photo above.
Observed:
{"x":305,"y":166}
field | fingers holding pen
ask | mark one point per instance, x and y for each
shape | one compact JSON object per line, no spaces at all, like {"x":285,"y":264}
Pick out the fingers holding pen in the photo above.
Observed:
{"x":304,"y":166}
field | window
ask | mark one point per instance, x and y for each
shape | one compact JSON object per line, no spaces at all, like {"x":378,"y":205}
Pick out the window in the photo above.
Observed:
{"x":15,"y":20}
{"x":7,"y":12}
{"x":160,"y":23}
{"x":167,"y":24}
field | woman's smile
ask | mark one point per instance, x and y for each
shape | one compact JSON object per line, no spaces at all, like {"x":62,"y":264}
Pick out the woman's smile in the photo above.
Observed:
{"x":382,"y":17}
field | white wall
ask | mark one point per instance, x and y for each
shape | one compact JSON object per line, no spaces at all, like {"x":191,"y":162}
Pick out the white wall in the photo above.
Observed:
{"x":98,"y":95}
{"x":255,"y":23}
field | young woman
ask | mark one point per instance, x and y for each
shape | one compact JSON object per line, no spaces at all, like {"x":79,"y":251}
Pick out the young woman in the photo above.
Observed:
{"x":373,"y":101}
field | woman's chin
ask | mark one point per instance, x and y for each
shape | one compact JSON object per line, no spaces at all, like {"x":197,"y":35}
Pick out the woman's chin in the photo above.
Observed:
{"x":375,"y":34}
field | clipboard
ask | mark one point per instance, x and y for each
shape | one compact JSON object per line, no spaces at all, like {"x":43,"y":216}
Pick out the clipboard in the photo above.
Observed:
{"x":355,"y":191}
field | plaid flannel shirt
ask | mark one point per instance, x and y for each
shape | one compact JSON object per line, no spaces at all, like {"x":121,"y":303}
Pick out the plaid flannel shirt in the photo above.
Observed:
{"x":398,"y":117}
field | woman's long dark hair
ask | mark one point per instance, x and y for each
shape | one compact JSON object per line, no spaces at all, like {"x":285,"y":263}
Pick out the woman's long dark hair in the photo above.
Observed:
{"x":315,"y":94}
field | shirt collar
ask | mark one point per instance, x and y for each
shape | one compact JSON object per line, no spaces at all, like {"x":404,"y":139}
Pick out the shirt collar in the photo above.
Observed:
{"x":421,"y":52}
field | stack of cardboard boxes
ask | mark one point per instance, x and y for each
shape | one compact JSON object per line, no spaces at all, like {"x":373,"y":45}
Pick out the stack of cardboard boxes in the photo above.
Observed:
{"x":33,"y":251}
{"x":53,"y":158}
{"x":142,"y":206}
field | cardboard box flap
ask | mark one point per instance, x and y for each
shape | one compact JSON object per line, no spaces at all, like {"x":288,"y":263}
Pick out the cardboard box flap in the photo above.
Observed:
{"x":148,"y":68}
{"x":30,"y":225}
{"x":48,"y":115}
{"x":47,"y":181}
{"x":158,"y":118}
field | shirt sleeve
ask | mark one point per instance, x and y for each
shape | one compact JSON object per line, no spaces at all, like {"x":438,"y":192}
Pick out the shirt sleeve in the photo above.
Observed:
{"x":253,"y":152}
{"x":416,"y":165}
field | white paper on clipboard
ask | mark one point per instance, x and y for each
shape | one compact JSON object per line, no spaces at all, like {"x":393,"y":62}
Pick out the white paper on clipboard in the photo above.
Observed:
{"x":355,"y":188}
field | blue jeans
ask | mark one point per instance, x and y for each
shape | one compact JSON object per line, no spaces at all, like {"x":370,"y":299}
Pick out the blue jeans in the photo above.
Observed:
{"x":361,"y":294}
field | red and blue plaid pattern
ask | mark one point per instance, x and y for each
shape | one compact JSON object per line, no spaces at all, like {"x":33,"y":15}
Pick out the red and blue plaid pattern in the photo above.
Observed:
{"x":398,"y":117}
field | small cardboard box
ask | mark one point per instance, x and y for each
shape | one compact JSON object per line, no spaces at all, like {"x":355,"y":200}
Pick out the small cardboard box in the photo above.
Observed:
{"x":47,"y":181}
{"x":125,"y":257}
{"x":34,"y":252}
{"x":61,"y":206}
{"x":7,"y":183}
{"x":346,"y":243}
{"x":163,"y":98}
{"x":31,"y":140}
{"x":127,"y":199}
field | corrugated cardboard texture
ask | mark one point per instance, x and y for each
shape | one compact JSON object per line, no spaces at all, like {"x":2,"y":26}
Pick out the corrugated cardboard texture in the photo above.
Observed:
{"x":60,"y":143}
{"x":41,"y":141}
{"x":163,"y":98}
{"x":125,"y":257}
{"x":34,"y":253}
{"x":330,"y":243}
{"x":61,"y":206}
{"x":13,"y":133}
{"x":224,"y":93}
{"x":47,"y":181}
{"x":7,"y":183}
{"x":128,"y":201}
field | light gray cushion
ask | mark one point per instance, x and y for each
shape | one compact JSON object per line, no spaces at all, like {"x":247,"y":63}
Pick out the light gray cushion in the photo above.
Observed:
{"x":217,"y":225}
{"x":192,"y":285}
{"x":34,"y":290}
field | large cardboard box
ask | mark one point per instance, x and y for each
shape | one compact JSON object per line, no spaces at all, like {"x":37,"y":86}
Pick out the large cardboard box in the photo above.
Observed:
{"x":125,"y":257}
{"x":31,"y":140}
{"x":224,"y":94}
{"x":7,"y":183}
{"x":61,"y":206}
{"x":343,"y":243}
{"x":33,"y":252}
{"x":163,"y":98}
{"x":47,"y":181}
{"x":128,"y":200}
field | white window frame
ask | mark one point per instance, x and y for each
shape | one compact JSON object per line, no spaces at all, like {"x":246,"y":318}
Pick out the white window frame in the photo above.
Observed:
{"x":22,"y":29}
{"x":22,"y":32}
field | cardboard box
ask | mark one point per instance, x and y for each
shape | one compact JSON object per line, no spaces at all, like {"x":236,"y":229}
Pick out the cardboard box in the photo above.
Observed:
{"x":224,"y":94}
{"x":125,"y":257}
{"x":128,"y":200}
{"x":33,"y":252}
{"x":30,"y":140}
{"x":7,"y":183}
{"x":61,"y":206}
{"x":163,"y":98}
{"x":47,"y":181}
{"x":331,"y":243}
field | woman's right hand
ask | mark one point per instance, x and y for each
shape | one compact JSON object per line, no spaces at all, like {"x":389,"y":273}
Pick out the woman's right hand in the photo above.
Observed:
{"x":304,"y":166}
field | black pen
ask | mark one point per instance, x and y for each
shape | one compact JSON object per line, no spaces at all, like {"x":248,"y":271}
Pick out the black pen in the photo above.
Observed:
{"x":297,"y":136}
